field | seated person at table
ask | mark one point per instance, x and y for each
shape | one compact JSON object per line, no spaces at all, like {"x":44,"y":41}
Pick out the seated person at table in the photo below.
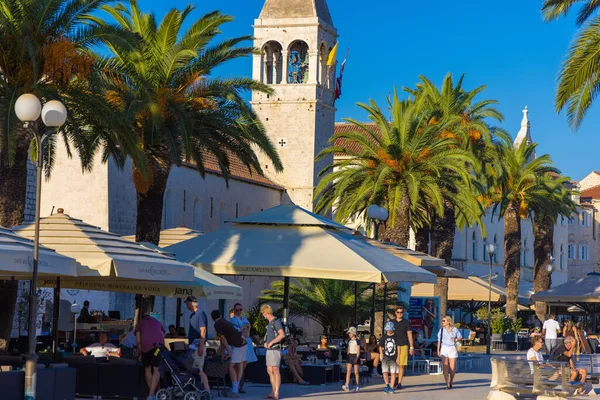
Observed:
{"x":172,"y":332}
{"x":323,"y":344}
{"x":294,"y":362}
{"x":181,"y":333}
{"x":371,"y":350}
{"x":533,"y":354}
{"x":564,"y":353}
{"x":128,"y":343}
{"x":419,"y":342}
{"x":102,"y":349}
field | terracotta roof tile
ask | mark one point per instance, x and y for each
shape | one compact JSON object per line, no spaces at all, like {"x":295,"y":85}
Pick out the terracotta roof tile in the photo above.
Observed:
{"x":344,"y":127}
{"x":593,"y":192}
{"x":238,"y":171}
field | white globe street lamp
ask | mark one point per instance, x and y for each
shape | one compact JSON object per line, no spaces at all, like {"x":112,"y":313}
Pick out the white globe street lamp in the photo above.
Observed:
{"x":379,"y":215}
{"x":54,"y":114}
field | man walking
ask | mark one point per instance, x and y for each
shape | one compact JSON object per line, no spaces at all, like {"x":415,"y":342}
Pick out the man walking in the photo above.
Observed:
{"x":404,"y":337}
{"x":149,"y":334}
{"x":550,"y":331}
{"x":275,"y":334}
{"x":235,"y":345}
{"x":197,"y":337}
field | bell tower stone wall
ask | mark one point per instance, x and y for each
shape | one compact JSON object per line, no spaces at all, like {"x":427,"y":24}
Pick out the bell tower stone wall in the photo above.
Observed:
{"x":299,"y":116}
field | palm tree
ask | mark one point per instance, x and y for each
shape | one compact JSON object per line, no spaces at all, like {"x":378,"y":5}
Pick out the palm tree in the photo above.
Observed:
{"x":520,"y":188}
{"x":399,"y":164}
{"x":579,"y":74}
{"x":474,"y":135}
{"x":557,"y":202}
{"x":45,"y":46}
{"x":327,"y":302}
{"x":178,"y":112}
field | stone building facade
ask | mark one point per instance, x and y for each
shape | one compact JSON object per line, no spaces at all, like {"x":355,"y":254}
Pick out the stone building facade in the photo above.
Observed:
{"x":295,"y":38}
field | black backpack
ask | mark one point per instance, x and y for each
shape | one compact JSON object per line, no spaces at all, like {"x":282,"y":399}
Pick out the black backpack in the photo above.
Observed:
{"x":284,"y":342}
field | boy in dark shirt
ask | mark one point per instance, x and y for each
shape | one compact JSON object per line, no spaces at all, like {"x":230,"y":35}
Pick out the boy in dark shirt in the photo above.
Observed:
{"x":388,"y":351}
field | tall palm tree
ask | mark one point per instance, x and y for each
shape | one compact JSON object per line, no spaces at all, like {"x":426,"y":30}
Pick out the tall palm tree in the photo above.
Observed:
{"x":579,"y":76}
{"x":557,"y":202}
{"x":399,"y":164}
{"x":520,"y":188}
{"x":45,"y":47}
{"x":178,"y":111}
{"x":474,"y":135}
{"x":327,"y":302}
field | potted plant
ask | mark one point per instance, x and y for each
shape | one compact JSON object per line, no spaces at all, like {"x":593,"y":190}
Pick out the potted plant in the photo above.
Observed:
{"x":497,"y":328}
{"x":509,"y":334}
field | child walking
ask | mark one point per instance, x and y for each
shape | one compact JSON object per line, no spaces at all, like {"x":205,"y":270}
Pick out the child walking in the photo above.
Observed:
{"x":388,"y":351}
{"x":352,"y":359}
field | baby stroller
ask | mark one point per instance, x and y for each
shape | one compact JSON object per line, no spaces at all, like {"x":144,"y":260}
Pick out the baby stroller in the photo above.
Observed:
{"x":179,"y":379}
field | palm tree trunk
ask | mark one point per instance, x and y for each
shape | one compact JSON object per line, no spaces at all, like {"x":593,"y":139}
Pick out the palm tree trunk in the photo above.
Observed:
{"x":442,"y":242}
{"x":512,"y":258}
{"x":150,"y":204}
{"x":13,"y":191}
{"x":400,"y":232}
{"x":422,"y":239}
{"x":543,"y":235}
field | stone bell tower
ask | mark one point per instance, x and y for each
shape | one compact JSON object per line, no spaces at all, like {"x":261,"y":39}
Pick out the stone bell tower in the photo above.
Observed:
{"x":294,"y":38}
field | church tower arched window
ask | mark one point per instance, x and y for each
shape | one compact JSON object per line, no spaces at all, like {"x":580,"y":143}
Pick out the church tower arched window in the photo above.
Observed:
{"x":298,"y":62}
{"x":272,"y":63}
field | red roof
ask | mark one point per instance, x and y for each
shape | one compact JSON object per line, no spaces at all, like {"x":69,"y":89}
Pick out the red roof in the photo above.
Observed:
{"x":343,"y":127}
{"x":238,"y":171}
{"x":593,"y":192}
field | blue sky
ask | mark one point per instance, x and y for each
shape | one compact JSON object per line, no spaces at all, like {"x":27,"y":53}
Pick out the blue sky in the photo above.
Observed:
{"x":504,"y":45}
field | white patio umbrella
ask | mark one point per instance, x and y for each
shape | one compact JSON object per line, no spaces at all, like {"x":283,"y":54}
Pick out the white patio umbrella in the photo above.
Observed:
{"x":289,"y":241}
{"x":171,"y":236}
{"x":16,"y":258}
{"x":104,"y":254}
{"x":582,"y":290}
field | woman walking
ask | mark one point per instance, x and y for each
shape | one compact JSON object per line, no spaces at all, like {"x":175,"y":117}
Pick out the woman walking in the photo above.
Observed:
{"x":448,"y":337}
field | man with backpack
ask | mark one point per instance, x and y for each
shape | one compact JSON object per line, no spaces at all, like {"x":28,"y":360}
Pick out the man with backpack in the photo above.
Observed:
{"x":273,"y":344}
{"x":197,"y":337}
{"x":235,"y":344}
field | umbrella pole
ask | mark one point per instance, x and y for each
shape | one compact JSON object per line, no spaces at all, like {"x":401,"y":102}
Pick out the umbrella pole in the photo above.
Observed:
{"x":384,"y":307}
{"x":355,"y":304}
{"x":178,"y":316}
{"x":55,"y":317}
{"x":286,"y":299}
{"x":373,"y":311}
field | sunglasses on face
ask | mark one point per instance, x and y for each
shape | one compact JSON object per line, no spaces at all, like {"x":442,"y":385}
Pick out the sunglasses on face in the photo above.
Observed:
{"x":443,"y":320}
{"x":400,"y":312}
{"x":238,"y":309}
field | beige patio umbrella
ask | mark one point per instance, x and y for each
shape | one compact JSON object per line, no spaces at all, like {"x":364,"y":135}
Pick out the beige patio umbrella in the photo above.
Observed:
{"x":205,"y":285}
{"x":103,"y":254}
{"x":582,"y":290}
{"x":16,"y":258}
{"x":171,"y":236}
{"x":432,"y":264}
{"x":474,"y":288}
{"x":289,"y":241}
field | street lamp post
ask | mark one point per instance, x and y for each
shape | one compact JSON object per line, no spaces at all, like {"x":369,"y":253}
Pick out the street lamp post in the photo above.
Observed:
{"x":379,"y":215}
{"x":491,"y":249}
{"x":54,"y":114}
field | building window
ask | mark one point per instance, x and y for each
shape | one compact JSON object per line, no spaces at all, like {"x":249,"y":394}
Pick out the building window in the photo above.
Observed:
{"x":212,"y":206}
{"x":571,"y":252}
{"x":583,"y":252}
{"x":237,"y":210}
{"x":562,"y":251}
{"x":298,"y":62}
{"x":474,"y":246}
{"x":562,"y":219}
{"x":485,"y":253}
{"x":570,"y":221}
{"x":497,"y":249}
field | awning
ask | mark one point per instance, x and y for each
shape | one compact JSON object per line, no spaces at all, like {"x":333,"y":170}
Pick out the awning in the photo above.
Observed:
{"x":582,"y":290}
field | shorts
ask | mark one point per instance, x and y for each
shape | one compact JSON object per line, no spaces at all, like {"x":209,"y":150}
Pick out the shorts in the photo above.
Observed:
{"x":198,"y":361}
{"x":273,"y":358}
{"x":448,"y":352}
{"x":151,"y":358}
{"x":390,"y":366}
{"x":403,"y":355}
{"x":238,"y":354}
{"x":352,"y":359}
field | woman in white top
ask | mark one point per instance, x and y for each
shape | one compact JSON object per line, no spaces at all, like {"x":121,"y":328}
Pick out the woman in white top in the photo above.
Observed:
{"x":448,"y":336}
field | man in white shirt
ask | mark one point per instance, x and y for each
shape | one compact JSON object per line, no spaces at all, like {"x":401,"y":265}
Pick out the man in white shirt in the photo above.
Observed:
{"x":102,"y":349}
{"x":550,"y":333}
